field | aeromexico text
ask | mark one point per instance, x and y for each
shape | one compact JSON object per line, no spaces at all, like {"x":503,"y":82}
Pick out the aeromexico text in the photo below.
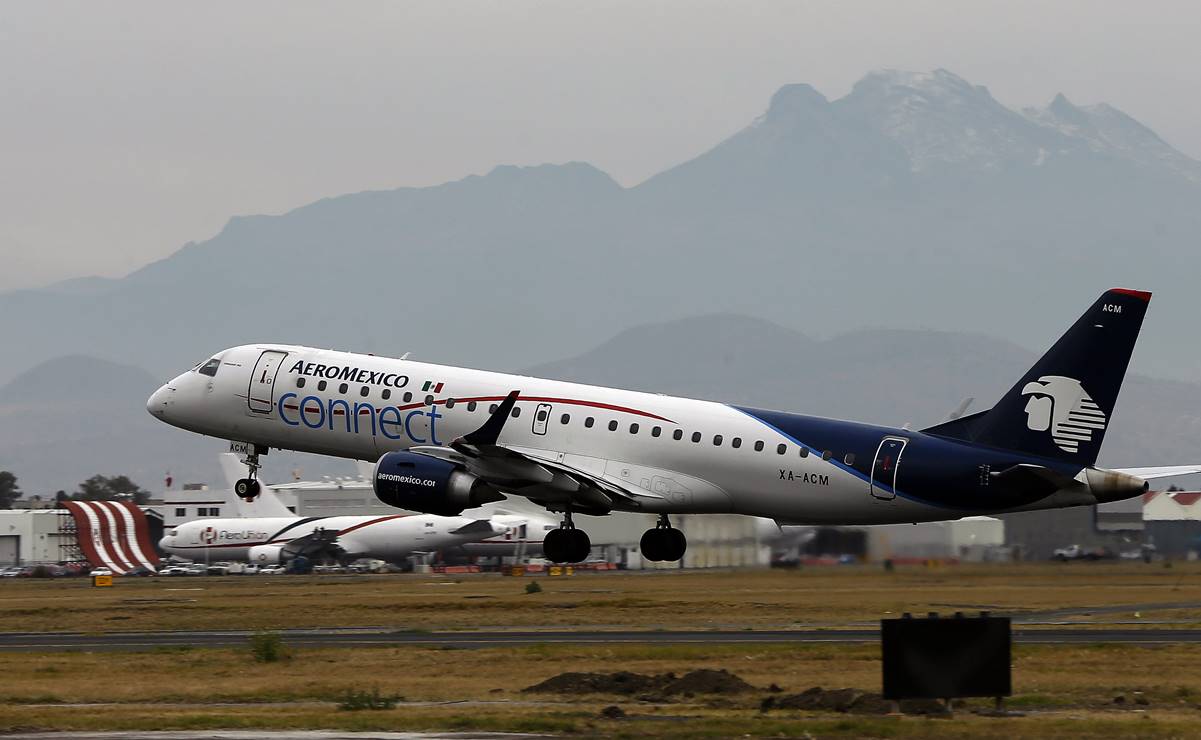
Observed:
{"x":349,"y":374}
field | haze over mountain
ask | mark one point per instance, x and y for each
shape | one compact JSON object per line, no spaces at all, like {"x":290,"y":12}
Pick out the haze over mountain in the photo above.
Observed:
{"x":74,"y":417}
{"x":97,"y":423}
{"x":917,"y":200}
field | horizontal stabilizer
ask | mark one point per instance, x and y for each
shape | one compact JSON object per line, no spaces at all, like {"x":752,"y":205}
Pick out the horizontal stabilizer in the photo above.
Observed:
{"x":1165,"y":471}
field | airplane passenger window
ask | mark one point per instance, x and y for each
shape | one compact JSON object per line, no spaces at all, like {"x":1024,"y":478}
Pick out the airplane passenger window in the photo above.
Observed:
{"x":210,"y":368}
{"x":300,"y":382}
{"x":364,"y":391}
{"x":613,"y":426}
{"x":588,"y":422}
{"x":678,"y":434}
{"x":827,"y":455}
{"x":736,"y":442}
{"x":656,"y":431}
{"x":759,"y":446}
{"x":491,"y":409}
{"x":717,"y":440}
{"x":516,"y":411}
{"x":542,"y":414}
{"x":781,"y":449}
{"x":343,"y":388}
{"x":386,"y":394}
{"x":804,"y":451}
{"x":450,"y":403}
{"x":429,"y":401}
{"x":564,"y":418}
{"x":471,"y":405}
{"x":696,"y":436}
{"x":408,"y":397}
{"x":633,"y":429}
{"x":849,"y":459}
{"x":321,"y":385}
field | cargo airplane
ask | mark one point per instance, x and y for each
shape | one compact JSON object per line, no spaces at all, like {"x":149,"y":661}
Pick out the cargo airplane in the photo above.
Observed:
{"x":267,"y":532}
{"x":445,"y":439}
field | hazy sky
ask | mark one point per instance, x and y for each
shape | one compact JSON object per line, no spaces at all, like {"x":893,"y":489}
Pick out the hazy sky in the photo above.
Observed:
{"x":127,"y":129}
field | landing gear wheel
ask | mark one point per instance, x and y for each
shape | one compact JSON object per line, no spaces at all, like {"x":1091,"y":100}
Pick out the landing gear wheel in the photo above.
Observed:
{"x":555,"y":545}
{"x":664,"y":543}
{"x":247,"y":489}
{"x":649,"y":545}
{"x":581,"y":546}
{"x":677,"y":544}
{"x":566,"y":544}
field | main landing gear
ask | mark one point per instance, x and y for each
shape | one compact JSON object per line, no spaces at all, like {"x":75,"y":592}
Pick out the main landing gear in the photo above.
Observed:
{"x":663,"y":543}
{"x":566,"y":544}
{"x":248,"y":489}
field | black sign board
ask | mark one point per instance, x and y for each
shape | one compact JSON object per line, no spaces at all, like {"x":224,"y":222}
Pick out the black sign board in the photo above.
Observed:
{"x":946,"y":658}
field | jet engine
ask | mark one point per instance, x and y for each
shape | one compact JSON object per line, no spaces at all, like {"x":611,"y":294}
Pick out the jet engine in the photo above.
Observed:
{"x":415,"y":482}
{"x":266,"y":554}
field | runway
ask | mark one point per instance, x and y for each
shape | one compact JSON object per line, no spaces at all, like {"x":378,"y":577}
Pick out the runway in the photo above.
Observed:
{"x":375,"y":637}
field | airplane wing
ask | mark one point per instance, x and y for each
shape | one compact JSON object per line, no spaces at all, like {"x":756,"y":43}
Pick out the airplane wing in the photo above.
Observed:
{"x":532,"y":474}
{"x":1165,"y":471}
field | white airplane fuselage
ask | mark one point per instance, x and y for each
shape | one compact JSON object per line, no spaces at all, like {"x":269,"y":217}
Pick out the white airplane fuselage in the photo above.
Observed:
{"x":260,"y":539}
{"x":687,"y":456}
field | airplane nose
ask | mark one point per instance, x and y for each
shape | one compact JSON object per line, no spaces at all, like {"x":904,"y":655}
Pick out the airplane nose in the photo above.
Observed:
{"x":166,"y":542}
{"x":159,"y":401}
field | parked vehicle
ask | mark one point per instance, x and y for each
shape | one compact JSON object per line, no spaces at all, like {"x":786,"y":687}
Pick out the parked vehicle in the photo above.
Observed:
{"x":220,"y":568}
{"x":272,"y":570}
{"x":173,"y":570}
{"x":100,"y":572}
{"x":1077,"y":552}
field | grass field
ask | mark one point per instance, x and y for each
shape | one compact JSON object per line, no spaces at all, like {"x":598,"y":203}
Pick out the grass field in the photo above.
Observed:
{"x":1066,"y":690}
{"x":681,"y":599}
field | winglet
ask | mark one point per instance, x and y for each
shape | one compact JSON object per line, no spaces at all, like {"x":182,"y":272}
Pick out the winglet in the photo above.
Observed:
{"x":490,"y":431}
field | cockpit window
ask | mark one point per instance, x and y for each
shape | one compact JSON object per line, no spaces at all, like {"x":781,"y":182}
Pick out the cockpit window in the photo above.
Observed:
{"x":210,"y":368}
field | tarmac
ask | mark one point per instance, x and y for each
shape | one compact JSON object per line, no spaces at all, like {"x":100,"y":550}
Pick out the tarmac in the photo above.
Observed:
{"x":378,"y":637}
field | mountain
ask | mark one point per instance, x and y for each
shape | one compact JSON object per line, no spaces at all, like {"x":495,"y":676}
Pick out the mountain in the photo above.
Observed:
{"x":73,"y":417}
{"x":916,"y":200}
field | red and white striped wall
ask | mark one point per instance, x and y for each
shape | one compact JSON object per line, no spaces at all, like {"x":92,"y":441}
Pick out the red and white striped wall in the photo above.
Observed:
{"x":113,"y":534}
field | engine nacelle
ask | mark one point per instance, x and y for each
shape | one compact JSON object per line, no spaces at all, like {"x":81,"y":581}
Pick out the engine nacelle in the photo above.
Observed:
{"x":431,"y":486}
{"x":266,"y":554}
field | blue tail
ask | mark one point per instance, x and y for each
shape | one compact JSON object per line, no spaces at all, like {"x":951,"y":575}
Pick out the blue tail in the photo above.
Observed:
{"x":1061,"y":406}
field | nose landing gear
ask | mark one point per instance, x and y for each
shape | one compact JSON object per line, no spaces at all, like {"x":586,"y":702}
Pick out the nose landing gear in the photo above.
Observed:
{"x":248,"y":488}
{"x":664,"y":543}
{"x":566,"y":544}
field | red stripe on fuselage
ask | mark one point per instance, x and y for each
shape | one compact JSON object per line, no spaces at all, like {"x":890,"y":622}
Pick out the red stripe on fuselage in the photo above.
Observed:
{"x":377,"y":520}
{"x":488,"y":399}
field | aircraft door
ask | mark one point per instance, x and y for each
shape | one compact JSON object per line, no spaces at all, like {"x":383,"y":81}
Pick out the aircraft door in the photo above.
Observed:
{"x":541,"y":418}
{"x":261,"y":395}
{"x":884,"y":468}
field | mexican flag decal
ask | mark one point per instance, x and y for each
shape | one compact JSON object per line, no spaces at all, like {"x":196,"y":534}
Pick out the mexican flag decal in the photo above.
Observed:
{"x":431,"y":385}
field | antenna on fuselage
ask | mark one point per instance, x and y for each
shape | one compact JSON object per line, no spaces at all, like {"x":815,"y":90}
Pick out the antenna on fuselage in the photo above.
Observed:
{"x":405,"y":356}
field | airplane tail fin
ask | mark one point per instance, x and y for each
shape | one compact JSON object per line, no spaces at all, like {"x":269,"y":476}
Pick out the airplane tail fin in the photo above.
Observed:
{"x":1061,"y":406}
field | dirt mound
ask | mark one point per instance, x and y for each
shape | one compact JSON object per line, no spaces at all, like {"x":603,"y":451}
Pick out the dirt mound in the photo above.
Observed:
{"x":703,"y":681}
{"x":708,"y":681}
{"x":622,"y":682}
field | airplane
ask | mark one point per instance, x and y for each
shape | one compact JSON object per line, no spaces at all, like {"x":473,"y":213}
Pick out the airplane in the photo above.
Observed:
{"x":522,"y":533}
{"x":266,"y":532}
{"x":445,"y":439}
